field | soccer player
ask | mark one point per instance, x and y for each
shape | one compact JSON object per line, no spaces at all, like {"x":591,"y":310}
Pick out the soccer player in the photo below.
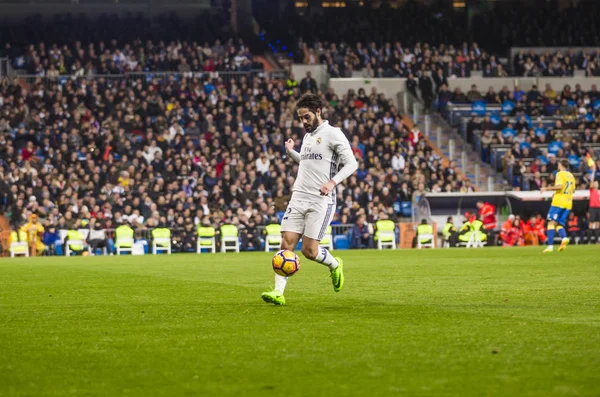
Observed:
{"x":488,"y":215}
{"x":312,"y":205}
{"x":594,"y":210}
{"x":562,"y":202}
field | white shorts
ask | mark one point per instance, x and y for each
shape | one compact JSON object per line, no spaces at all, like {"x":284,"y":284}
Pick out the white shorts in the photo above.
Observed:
{"x":308,"y":218}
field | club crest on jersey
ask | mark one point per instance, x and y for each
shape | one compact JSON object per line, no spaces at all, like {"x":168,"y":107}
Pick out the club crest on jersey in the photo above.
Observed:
{"x":319,"y":140}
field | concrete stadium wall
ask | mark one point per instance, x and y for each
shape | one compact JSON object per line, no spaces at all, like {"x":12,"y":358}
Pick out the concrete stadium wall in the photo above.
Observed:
{"x":389,"y":87}
{"x":558,"y":83}
{"x":318,"y":72}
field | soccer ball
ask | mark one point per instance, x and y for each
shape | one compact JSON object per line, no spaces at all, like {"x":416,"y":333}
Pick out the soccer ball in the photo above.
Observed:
{"x":285,"y":263}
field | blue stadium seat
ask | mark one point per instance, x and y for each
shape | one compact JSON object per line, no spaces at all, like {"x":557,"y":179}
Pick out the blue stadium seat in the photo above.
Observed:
{"x":406,"y":207}
{"x":280,"y":215}
{"x":341,"y":242}
{"x":262,"y":244}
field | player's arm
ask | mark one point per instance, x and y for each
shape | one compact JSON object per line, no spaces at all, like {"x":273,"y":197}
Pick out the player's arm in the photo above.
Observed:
{"x":289,"y":147}
{"x":559,"y":184}
{"x":341,"y":146}
{"x":552,"y":188}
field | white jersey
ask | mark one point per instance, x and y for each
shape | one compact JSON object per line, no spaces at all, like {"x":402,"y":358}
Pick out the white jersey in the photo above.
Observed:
{"x":322,"y":151}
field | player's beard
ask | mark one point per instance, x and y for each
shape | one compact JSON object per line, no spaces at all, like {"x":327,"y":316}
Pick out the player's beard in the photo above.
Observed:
{"x":312,"y":126}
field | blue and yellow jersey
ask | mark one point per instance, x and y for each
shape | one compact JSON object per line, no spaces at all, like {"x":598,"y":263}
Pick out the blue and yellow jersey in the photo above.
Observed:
{"x":563,"y":198}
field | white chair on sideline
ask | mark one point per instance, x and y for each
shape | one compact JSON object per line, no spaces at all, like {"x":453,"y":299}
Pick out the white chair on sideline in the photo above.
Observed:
{"x":161,"y":244}
{"x":230,"y":238}
{"x":19,"y":248}
{"x":474,"y":241}
{"x":272,"y":237}
{"x":429,"y":241}
{"x":69,"y":251}
{"x":206,"y":239}
{"x":124,"y":244}
{"x":385,"y":234}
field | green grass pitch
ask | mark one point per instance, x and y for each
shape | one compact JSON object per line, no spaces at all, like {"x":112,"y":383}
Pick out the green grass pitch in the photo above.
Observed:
{"x":488,"y":322}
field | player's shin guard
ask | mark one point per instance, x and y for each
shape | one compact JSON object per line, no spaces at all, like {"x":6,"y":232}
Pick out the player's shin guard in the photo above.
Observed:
{"x":280,"y":283}
{"x":324,"y":257}
{"x":550,"y":234}
{"x":561,"y":231}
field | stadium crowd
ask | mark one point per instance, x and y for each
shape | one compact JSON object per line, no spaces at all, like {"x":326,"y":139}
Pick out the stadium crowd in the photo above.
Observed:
{"x":556,"y":63}
{"x":182,"y":151}
{"x":114,"y":57}
{"x":389,"y":42}
{"x":541,"y":128}
{"x":372,"y":43}
{"x":393,"y":59}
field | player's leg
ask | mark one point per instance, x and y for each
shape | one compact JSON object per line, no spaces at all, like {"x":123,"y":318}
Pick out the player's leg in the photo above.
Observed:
{"x":560,"y":228}
{"x":292,"y":227}
{"x":317,"y":221}
{"x":594,"y":228}
{"x":311,"y":250}
{"x":289,"y":241}
{"x":550,"y":233}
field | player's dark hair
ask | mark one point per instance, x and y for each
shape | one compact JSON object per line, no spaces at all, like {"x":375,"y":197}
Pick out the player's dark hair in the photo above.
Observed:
{"x":310,"y":101}
{"x":565,"y":163}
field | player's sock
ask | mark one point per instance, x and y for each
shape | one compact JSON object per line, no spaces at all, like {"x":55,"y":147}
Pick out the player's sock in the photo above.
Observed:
{"x":324,"y":257}
{"x":561,"y":231}
{"x":280,"y":283}
{"x":550,"y":235}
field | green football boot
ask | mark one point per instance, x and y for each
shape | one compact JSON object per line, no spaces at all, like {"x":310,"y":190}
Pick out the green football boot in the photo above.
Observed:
{"x":337,"y":276}
{"x":273,"y":297}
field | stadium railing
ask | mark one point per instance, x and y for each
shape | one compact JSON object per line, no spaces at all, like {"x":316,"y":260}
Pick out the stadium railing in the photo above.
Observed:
{"x":147,"y":78}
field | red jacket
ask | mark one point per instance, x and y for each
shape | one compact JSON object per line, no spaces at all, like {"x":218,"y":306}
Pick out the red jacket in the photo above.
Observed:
{"x":488,"y":214}
{"x":538,"y":227}
{"x":506,"y":226}
{"x":573,"y":224}
{"x":594,"y":198}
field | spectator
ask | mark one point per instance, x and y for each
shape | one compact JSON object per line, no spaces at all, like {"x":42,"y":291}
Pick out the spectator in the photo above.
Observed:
{"x":308,"y":84}
{"x":449,"y":233}
{"x":594,"y":211}
{"x":487,"y":212}
{"x":473,"y":94}
{"x":362,"y":233}
{"x":536,"y":232}
{"x":424,"y":234}
{"x":514,"y":235}
{"x":96,"y":237}
{"x":574,"y":228}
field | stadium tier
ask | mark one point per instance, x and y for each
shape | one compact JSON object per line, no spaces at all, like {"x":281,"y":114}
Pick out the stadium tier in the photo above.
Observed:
{"x":391,"y":42}
{"x":525,"y":134}
{"x":174,"y":125}
{"x":178,"y":151}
